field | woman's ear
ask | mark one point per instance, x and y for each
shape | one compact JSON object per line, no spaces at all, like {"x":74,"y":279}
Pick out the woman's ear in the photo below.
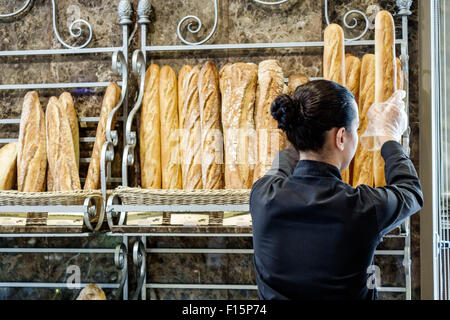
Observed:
{"x":340,"y":138}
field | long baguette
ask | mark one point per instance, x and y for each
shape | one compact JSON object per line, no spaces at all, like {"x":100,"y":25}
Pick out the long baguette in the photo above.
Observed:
{"x":363,"y":161}
{"x":211,"y":129}
{"x":62,"y":165}
{"x":385,"y":76}
{"x":270,"y":138}
{"x":32,"y":153}
{"x":191,"y":140}
{"x":334,"y":64}
{"x":149,"y":135}
{"x":170,"y":161}
{"x":110,"y":100}
{"x":238,"y":87}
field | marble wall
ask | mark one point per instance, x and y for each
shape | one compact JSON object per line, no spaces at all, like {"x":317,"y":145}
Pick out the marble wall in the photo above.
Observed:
{"x":238,"y":22}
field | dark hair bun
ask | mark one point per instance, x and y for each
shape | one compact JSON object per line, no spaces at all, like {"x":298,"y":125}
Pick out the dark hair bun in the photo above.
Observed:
{"x":287,"y":112}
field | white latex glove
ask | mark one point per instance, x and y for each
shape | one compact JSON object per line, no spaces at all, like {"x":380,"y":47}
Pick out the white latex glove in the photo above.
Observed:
{"x":386,"y":120}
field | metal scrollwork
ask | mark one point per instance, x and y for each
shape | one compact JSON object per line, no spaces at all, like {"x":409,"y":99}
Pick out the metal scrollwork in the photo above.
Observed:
{"x":120,"y":261}
{"x":73,"y":34}
{"x":139,"y":260}
{"x":195,"y":29}
{"x":18,"y":12}
{"x":354,"y":23}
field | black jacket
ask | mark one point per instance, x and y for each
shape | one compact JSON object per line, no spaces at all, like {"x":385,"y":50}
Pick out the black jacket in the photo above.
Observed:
{"x":314,"y":236}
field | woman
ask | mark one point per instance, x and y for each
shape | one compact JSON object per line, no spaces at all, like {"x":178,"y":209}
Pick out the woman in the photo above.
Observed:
{"x":314,"y":236}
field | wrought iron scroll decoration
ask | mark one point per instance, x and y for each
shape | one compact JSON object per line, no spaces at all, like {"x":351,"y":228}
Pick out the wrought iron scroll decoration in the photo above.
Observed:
{"x":16,"y":13}
{"x":76,"y":34}
{"x":74,"y":29}
{"x":354,"y":21}
{"x":198,"y":26}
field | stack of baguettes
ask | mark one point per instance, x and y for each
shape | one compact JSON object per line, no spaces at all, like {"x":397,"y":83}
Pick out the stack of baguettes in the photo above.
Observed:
{"x":217,"y":116}
{"x":46,"y":157}
{"x":374,"y":79}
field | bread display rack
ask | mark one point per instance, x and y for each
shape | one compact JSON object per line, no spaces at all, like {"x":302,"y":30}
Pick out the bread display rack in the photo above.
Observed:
{"x":90,"y":203}
{"x":133,"y":199}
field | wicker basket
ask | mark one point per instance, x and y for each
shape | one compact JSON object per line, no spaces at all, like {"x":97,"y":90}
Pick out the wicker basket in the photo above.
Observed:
{"x":58,"y":198}
{"x":139,"y":196}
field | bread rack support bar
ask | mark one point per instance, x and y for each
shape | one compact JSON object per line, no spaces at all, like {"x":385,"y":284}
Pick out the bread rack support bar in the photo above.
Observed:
{"x":32,"y":86}
{"x":180,"y":208}
{"x":404,"y":7}
{"x":54,"y":285}
{"x":50,"y":52}
{"x":120,"y":65}
{"x":286,"y":45}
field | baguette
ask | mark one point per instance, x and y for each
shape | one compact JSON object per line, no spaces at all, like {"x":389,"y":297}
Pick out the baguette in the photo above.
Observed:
{"x":8,"y":159}
{"x":62,"y":165}
{"x":238,"y":88}
{"x":31,"y":153}
{"x":191,"y":139}
{"x":184,"y":71}
{"x":352,"y":74}
{"x":363,"y":160}
{"x":149,"y":134}
{"x":296,"y":80}
{"x":385,"y":76}
{"x":110,"y":100}
{"x":211,"y":130}
{"x":270,"y":139}
{"x":67,"y":107}
{"x":334,"y":64}
{"x":170,"y":166}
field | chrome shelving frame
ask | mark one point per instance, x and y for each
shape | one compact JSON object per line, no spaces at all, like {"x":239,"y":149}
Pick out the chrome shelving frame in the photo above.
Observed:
{"x":90,"y":207}
{"x":117,"y":212}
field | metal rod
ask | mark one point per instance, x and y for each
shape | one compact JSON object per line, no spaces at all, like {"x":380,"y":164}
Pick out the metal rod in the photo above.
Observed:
{"x":256,"y":45}
{"x":54,"y":85}
{"x":244,"y":251}
{"x":57,"y":51}
{"x":45,"y":235}
{"x":54,"y":285}
{"x":180,"y":208}
{"x":56,"y":250}
{"x":38,"y":208}
{"x":168,"y":234}
{"x":201,"y":286}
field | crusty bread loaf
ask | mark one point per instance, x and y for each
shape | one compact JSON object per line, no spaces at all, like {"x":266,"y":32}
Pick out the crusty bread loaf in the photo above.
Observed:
{"x":32,"y":151}
{"x":191,"y":139}
{"x":238,"y":87}
{"x":110,"y":100}
{"x":270,"y":138}
{"x":211,"y":129}
{"x":334,"y":64}
{"x":352,"y":74}
{"x":92,"y":292}
{"x":385,"y":76}
{"x":8,"y":172}
{"x":334,"y":54}
{"x":62,"y":163}
{"x":68,"y":108}
{"x":170,"y":162}
{"x":149,"y":131}
{"x":296,"y":80}
{"x":363,"y":161}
